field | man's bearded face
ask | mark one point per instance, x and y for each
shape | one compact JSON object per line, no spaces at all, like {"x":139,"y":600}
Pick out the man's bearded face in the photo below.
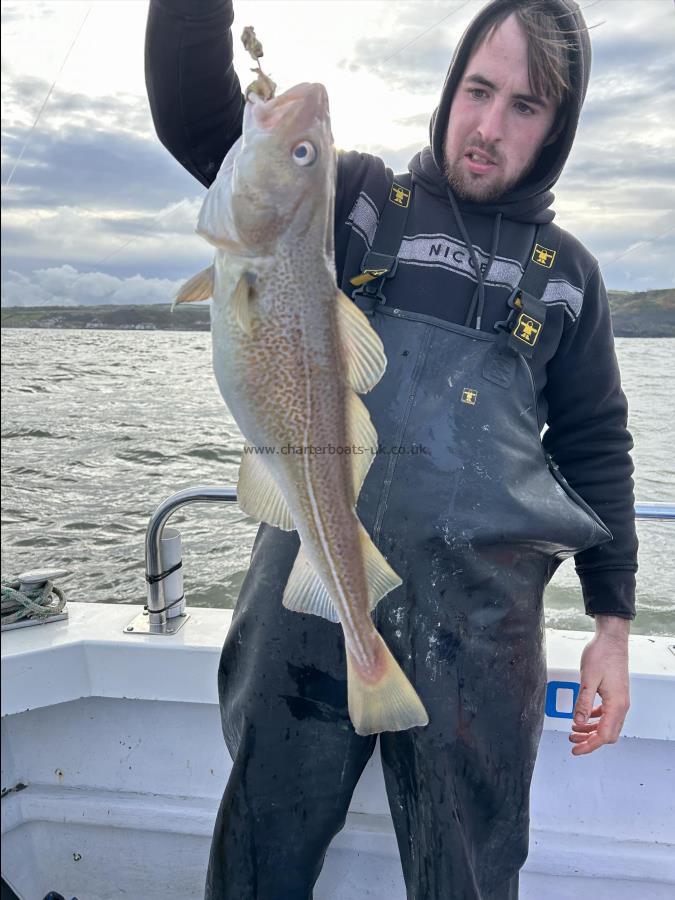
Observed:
{"x":497,"y":126}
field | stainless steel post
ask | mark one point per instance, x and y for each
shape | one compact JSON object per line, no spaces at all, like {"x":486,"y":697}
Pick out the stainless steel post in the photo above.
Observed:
{"x":155,"y":619}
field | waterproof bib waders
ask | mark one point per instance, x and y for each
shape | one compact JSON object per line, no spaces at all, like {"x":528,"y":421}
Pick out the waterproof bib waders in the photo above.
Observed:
{"x":467,"y":509}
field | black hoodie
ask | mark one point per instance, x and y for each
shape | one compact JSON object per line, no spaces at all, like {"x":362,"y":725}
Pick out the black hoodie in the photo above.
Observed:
{"x":197,"y":107}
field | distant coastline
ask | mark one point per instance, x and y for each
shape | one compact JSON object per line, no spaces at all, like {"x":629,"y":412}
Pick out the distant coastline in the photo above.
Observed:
{"x":643,"y":314}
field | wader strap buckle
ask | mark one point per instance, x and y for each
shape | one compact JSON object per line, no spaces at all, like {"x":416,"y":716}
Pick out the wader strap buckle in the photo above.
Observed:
{"x":375,"y":269}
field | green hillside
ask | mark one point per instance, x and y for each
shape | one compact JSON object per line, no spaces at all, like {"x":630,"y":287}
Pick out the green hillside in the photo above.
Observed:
{"x":142,"y":317}
{"x":644,"y":314}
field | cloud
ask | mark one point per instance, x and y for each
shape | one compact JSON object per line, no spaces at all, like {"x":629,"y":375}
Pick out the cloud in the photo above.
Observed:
{"x":419,"y":120}
{"x":24,"y":96}
{"x":418,"y":49}
{"x":95,"y":186}
{"x":65,"y":286}
{"x":96,"y":191}
{"x":396,"y":158}
{"x":633,"y":43}
{"x":84,"y":164}
{"x":124,"y":242}
{"x":17,"y":12}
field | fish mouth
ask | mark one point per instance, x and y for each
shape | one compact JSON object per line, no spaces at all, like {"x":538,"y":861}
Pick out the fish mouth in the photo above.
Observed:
{"x":298,"y":107}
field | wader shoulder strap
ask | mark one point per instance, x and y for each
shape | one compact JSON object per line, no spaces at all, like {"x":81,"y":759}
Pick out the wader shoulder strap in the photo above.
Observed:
{"x":521,"y":330}
{"x":381,"y":261}
{"x":519,"y":333}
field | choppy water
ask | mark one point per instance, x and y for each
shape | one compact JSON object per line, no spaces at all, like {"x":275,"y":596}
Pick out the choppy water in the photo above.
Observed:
{"x":98,"y":427}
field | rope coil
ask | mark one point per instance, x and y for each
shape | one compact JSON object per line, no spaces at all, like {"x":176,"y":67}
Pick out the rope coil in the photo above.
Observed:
{"x":35,"y":604}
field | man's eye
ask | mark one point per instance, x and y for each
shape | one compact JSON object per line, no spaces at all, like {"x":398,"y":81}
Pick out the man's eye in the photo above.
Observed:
{"x":524,"y":108}
{"x":477,"y":93}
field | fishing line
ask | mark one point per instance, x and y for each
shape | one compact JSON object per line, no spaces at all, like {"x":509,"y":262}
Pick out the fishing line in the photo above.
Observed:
{"x":426,"y":30}
{"x":45,"y":101}
{"x":636,"y":246}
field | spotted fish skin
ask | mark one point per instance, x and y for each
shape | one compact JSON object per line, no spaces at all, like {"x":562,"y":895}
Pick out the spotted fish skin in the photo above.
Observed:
{"x":291,"y":354}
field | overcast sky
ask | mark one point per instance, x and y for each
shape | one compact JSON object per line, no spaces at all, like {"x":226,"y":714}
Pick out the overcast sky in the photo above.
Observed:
{"x":98,"y":212}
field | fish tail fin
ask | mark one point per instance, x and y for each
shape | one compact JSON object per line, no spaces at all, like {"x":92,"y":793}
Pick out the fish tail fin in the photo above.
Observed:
{"x":388,"y":704}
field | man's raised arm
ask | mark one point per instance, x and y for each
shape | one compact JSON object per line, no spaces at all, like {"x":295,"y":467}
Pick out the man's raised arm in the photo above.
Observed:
{"x":195,"y":96}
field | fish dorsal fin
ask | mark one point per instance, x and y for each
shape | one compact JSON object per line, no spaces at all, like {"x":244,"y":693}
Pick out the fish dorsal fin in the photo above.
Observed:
{"x":306,"y":593}
{"x":258,"y":494}
{"x":360,"y":433}
{"x":362,"y":348}
{"x":199,"y":287}
{"x":242,"y":301}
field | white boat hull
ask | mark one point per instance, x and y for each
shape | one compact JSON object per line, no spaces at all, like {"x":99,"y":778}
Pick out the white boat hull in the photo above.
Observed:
{"x":117,"y":740}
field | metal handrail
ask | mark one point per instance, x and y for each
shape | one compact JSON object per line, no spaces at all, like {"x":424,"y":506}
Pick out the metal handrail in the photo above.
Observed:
{"x":153,"y":561}
{"x":661,"y":511}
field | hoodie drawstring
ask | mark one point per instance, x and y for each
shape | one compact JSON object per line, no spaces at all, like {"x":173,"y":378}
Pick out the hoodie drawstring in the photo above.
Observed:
{"x":493,"y":252}
{"x":478,"y":300}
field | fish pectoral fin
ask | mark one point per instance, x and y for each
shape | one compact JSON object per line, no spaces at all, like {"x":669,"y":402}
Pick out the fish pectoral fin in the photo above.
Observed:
{"x":389,"y":704}
{"x":305,"y":592}
{"x":360,"y":433}
{"x":199,"y":287}
{"x":362,"y":349}
{"x":242,"y":299}
{"x":380,"y":576}
{"x":259,"y":495}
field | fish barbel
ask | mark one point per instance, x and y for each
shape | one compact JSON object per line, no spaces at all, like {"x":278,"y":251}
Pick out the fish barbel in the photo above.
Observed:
{"x":291,"y":353}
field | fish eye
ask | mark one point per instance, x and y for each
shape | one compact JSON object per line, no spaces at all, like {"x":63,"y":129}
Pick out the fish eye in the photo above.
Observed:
{"x":304,"y":153}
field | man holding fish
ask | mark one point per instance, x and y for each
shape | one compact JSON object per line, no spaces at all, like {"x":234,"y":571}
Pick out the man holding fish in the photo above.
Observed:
{"x":430,"y":324}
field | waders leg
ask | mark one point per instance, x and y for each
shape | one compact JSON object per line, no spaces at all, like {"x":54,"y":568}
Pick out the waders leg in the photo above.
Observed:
{"x":459,"y":788}
{"x":297,"y":759}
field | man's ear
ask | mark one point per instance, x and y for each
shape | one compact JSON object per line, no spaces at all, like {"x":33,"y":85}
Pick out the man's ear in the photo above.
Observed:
{"x":556,"y":130}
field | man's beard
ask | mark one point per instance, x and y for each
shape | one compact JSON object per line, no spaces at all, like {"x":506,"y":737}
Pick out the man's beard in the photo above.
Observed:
{"x":464,"y":187}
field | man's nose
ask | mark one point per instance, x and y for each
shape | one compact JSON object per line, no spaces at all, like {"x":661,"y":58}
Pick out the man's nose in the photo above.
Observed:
{"x":491,"y":126}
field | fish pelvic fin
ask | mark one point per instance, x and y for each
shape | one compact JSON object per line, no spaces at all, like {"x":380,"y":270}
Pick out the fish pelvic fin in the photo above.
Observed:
{"x":259,"y":495}
{"x":199,"y":287}
{"x":389,"y":704}
{"x":306,"y":593}
{"x":362,"y":349}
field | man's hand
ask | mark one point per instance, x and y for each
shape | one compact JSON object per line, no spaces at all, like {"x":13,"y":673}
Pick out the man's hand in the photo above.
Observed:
{"x":604,"y":670}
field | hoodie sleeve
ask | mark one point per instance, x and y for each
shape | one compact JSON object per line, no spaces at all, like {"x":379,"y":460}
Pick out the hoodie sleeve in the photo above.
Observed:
{"x":589,"y":440}
{"x":195,"y":96}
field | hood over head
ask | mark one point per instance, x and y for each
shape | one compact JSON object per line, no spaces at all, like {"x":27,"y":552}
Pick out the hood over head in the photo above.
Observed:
{"x":530,"y":200}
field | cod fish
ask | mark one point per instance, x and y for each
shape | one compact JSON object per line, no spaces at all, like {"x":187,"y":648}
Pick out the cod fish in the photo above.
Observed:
{"x":291,"y":353}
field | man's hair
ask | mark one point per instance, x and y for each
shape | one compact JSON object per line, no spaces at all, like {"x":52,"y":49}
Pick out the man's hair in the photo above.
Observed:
{"x":547,"y":47}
